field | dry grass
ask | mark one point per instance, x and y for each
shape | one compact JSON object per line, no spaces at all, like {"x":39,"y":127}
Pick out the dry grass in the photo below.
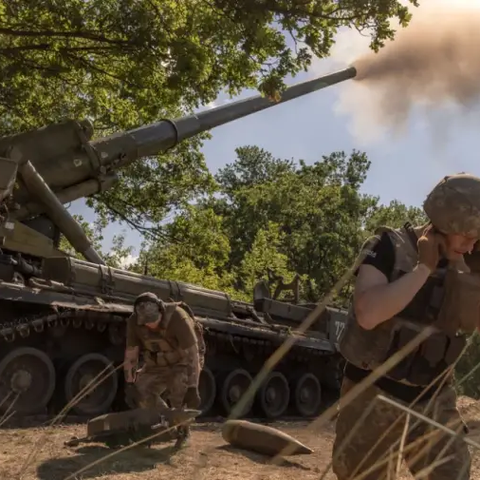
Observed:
{"x":207,"y":456}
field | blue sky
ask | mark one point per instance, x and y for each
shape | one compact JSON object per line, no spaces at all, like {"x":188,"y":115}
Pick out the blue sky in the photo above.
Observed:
{"x":404,"y":167}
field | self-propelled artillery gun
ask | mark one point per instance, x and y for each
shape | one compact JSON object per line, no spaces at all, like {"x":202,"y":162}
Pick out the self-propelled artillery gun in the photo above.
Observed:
{"x":63,"y":319}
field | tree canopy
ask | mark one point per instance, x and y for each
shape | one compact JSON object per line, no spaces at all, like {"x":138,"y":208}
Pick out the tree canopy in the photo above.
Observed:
{"x":125,"y":63}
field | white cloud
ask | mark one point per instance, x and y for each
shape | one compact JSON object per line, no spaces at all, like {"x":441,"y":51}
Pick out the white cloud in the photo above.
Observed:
{"x":128,"y":260}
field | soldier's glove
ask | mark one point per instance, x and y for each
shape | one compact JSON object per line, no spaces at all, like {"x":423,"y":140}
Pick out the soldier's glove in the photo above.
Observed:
{"x":192,"y":398}
{"x":131,"y":395}
{"x":183,"y":435}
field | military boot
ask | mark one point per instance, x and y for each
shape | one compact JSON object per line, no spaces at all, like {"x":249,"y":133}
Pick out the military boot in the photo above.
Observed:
{"x":183,"y":436}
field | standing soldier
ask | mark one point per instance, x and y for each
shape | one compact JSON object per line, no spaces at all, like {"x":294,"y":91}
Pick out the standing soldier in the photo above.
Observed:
{"x":166,"y":333}
{"x":410,"y":278}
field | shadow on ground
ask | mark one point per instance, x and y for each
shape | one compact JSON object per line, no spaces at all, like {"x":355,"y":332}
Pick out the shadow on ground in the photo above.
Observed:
{"x":134,"y":460}
{"x":262,"y":459}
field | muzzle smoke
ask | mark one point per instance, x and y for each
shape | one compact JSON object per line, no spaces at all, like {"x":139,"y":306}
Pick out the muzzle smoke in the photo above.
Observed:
{"x":432,"y":63}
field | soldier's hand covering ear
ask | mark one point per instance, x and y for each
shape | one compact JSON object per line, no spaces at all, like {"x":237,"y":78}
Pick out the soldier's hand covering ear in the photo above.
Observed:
{"x":473,"y":259}
{"x":430,"y":246}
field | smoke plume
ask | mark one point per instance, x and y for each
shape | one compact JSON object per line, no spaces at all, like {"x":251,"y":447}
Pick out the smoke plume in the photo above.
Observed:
{"x":431,"y":65}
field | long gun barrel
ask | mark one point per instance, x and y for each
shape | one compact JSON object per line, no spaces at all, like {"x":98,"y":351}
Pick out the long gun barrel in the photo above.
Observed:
{"x":64,"y":163}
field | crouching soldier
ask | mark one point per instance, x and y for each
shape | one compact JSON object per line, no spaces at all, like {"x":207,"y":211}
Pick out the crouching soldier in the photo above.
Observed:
{"x":166,"y":335}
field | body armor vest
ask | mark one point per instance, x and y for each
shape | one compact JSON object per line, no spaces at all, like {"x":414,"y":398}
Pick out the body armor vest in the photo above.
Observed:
{"x":162,"y":349}
{"x":449,"y":301}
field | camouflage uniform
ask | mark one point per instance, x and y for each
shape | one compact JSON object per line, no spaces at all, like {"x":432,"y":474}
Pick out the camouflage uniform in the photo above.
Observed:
{"x":381,"y":429}
{"x":453,"y":207}
{"x":193,"y":368}
{"x":171,"y":352}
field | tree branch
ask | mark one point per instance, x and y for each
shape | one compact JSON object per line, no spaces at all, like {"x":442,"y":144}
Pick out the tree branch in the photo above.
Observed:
{"x":147,"y":231}
{"x":52,"y":33}
{"x":90,"y":66}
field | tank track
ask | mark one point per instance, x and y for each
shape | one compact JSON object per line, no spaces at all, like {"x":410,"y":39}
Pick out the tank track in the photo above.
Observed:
{"x":231,"y":362}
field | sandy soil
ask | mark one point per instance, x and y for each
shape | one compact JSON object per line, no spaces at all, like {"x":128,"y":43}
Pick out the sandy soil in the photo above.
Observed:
{"x":39,"y":453}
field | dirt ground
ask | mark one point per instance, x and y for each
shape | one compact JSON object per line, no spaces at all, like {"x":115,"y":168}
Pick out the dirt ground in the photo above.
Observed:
{"x":39,"y":453}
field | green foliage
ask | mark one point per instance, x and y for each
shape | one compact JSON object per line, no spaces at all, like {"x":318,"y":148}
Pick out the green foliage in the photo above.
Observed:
{"x":394,"y":215}
{"x":264,"y":255}
{"x":194,"y":249}
{"x":125,"y":62}
{"x":274,"y":214}
{"x":318,"y":208}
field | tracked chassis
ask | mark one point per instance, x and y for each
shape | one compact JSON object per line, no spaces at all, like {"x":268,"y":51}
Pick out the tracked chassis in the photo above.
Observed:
{"x":57,"y":336}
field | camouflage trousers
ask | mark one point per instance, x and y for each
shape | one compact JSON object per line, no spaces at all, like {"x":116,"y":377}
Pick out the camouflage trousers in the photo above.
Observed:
{"x":194,"y":370}
{"x":153,"y":382}
{"x":370,"y":450}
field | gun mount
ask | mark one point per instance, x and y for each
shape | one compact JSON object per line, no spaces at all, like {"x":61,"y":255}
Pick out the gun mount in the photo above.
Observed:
{"x":64,"y":319}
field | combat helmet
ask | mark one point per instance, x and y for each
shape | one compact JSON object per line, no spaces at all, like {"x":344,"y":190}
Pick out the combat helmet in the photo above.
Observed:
{"x":453,"y":205}
{"x":147,"y":307}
